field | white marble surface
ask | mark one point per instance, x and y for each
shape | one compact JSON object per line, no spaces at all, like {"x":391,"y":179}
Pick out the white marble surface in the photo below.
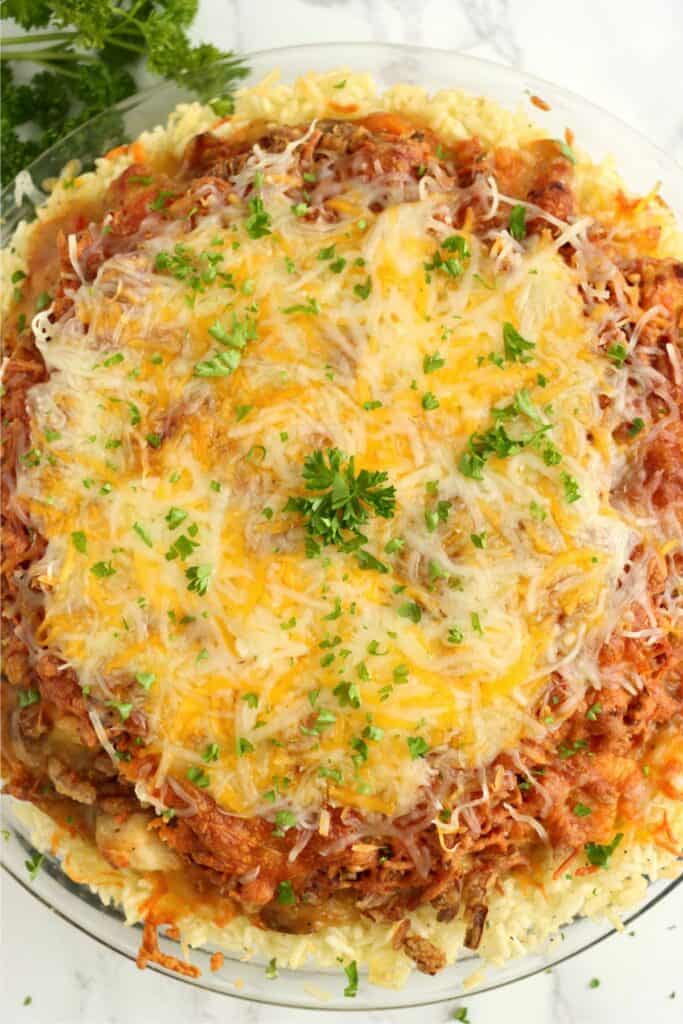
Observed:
{"x":625,"y":56}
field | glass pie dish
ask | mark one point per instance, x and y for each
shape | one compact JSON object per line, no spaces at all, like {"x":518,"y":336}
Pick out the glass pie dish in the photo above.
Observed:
{"x":599,"y":134}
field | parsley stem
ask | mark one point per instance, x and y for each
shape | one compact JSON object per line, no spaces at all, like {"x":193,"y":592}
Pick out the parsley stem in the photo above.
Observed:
{"x":36,"y":37}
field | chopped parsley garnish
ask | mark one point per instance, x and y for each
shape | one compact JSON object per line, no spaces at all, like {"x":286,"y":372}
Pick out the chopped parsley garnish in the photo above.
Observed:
{"x":114,"y":360}
{"x":363,"y":290}
{"x":637,"y":425}
{"x":452,"y":266}
{"x":433,"y":362}
{"x":537,"y":512}
{"x":436,"y":515}
{"x":372,"y":405}
{"x":551,"y":455}
{"x":243,"y":746}
{"x":198,"y":776}
{"x":124,"y":708}
{"x":410,"y":610}
{"x":79,"y":541}
{"x":480,"y":540}
{"x":154,"y":440}
{"x":145,"y":679}
{"x":497,"y":441}
{"x":309,"y":308}
{"x":284,"y":820}
{"x":570,"y":750}
{"x":345,"y":501}
{"x":348,"y":694}
{"x":324,"y":718}
{"x":455,"y":635}
{"x":182,"y":547}
{"x":351,"y":972}
{"x":517,"y":222}
{"x":594,"y":711}
{"x":222,"y":364}
{"x":160,"y":200}
{"x":285,"y":894}
{"x":581,"y":810}
{"x":515,"y":346}
{"x":618,"y":354}
{"x":571,"y":488}
{"x":196,"y":270}
{"x":367,"y":561}
{"x":28,"y":697}
{"x":566,"y":150}
{"x":211,"y":753}
{"x":271,"y":969}
{"x":33,"y":865}
{"x":174,"y":517}
{"x":143,"y":534}
{"x":258,"y":222}
{"x":430,"y":401}
{"x":417,"y":747}
{"x":599,"y":855}
{"x":242,"y":411}
{"x":102,"y":569}
{"x":594,"y":983}
{"x":300,"y":209}
{"x":250,"y":699}
{"x":198,"y":577}
{"x":475,"y":621}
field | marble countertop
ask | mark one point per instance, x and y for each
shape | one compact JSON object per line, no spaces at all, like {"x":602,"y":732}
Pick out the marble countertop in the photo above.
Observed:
{"x":626,"y":58}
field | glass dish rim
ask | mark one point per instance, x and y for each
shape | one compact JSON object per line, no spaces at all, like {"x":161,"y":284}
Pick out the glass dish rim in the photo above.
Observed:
{"x":627,"y":920}
{"x":505,"y":74}
{"x":504,"y":70}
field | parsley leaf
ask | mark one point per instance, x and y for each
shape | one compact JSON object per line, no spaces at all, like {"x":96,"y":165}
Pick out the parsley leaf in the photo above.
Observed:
{"x":33,"y":865}
{"x":351,"y":972}
{"x":433,"y":362}
{"x":599,"y":855}
{"x":517,"y":222}
{"x":363,"y":290}
{"x":79,"y":541}
{"x":285,"y":894}
{"x":102,"y":569}
{"x":515,"y":346}
{"x":417,"y":747}
{"x":410,"y":610}
{"x":198,"y":576}
{"x":345,"y":501}
{"x":258,"y":222}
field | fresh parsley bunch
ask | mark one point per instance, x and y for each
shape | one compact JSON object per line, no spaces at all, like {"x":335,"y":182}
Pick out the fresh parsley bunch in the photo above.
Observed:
{"x":91,"y":51}
{"x":344,"y":504}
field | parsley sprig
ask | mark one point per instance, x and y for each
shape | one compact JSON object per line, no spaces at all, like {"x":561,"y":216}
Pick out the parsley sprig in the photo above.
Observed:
{"x":89,"y":52}
{"x":345,"y":502}
{"x":496,"y":440}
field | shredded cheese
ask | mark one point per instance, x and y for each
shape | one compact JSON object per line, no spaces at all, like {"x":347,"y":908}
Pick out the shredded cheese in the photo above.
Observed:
{"x":149,"y":473}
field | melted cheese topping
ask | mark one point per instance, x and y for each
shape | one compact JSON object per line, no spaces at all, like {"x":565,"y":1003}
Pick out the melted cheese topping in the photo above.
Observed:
{"x":452,"y":647}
